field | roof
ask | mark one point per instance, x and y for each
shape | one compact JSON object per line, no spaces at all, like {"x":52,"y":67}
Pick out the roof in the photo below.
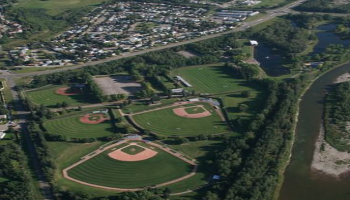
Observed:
{"x":253,"y":42}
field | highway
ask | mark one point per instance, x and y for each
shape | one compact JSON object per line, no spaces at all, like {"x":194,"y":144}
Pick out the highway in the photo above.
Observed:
{"x":21,"y":113}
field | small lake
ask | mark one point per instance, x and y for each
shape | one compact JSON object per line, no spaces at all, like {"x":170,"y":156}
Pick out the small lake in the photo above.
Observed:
{"x":326,"y":37}
{"x":271,"y":63}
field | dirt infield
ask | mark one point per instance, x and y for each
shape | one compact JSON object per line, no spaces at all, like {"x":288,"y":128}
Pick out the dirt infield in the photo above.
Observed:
{"x":93,"y":118}
{"x":182,"y":112}
{"x":63,"y":91}
{"x":143,"y":155}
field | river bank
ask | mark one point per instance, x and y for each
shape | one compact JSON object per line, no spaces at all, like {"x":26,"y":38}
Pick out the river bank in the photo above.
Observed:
{"x":329,"y":160}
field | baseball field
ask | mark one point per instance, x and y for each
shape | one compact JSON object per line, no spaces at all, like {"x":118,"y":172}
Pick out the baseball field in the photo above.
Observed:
{"x":215,"y":78}
{"x":85,"y":125}
{"x":111,"y":168}
{"x":53,"y":94}
{"x":183,"y":120}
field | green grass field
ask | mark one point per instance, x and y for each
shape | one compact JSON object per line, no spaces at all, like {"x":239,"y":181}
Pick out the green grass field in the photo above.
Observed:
{"x":47,"y":96}
{"x":55,"y":7}
{"x":215,"y":78}
{"x":165,"y":122}
{"x":105,"y":171}
{"x":70,"y":126}
{"x":194,"y":110}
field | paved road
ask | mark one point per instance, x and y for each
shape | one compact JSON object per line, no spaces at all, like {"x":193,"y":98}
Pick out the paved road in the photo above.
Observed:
{"x":22,"y":114}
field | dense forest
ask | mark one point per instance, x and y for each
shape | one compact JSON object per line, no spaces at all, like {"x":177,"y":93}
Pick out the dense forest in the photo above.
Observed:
{"x":337,"y":117}
{"x":15,"y":177}
{"x":324,"y":6}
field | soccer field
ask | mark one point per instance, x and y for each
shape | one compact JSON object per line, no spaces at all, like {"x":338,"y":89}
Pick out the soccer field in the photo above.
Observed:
{"x":165,"y":122}
{"x":211,"y":78}
{"x":72,"y":127}
{"x":102,"y":170}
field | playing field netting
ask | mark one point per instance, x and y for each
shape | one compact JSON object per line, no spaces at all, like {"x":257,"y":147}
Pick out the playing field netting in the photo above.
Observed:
{"x":103,"y":170}
{"x":73,"y":127}
{"x":166,"y":122}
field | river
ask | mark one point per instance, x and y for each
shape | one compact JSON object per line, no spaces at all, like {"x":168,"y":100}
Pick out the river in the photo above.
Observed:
{"x":301,"y":183}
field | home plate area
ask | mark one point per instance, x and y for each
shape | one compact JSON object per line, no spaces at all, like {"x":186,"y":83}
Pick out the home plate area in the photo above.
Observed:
{"x":133,"y":152}
{"x":197,"y":111}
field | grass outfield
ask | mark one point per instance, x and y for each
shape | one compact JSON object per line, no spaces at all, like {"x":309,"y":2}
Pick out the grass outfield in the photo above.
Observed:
{"x":71,"y":127}
{"x":55,"y":7}
{"x":105,"y":171}
{"x":165,"y":122}
{"x":215,"y":78}
{"x":47,"y":96}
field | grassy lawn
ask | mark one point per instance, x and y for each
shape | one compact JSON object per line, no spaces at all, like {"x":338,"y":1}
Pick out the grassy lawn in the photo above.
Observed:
{"x":3,"y":179}
{"x":255,"y":17}
{"x":140,"y":106}
{"x":48,"y":96}
{"x":213,"y":78}
{"x":71,"y":127}
{"x":165,"y":122}
{"x":55,"y":7}
{"x":269,"y":3}
{"x":105,"y":171}
{"x":232,"y":101}
{"x":197,"y":149}
{"x":33,"y":69}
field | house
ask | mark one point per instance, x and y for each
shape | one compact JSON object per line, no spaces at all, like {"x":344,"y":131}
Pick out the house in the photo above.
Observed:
{"x":3,"y":117}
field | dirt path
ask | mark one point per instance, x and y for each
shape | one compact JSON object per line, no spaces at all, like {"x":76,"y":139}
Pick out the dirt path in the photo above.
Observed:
{"x":100,"y":150}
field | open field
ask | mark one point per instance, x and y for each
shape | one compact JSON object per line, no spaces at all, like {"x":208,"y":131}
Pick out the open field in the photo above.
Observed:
{"x":72,"y":127}
{"x":48,"y":96}
{"x":214,"y":78}
{"x":166,"y":122}
{"x":117,"y":85}
{"x":55,"y":7}
{"x":104,"y":171}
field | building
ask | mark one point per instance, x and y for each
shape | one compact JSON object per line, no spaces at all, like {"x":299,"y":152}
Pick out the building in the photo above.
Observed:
{"x":183,"y":81}
{"x":253,"y":43}
{"x":2,"y":135}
